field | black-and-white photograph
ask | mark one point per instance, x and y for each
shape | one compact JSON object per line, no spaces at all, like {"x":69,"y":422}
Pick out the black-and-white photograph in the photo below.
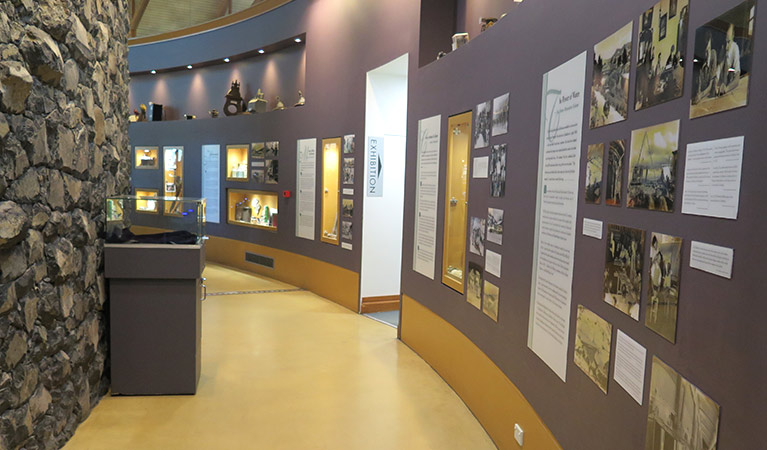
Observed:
{"x":272,"y":150}
{"x":616,"y":155}
{"x":661,"y":54}
{"x":594,"y":160}
{"x":348,"y":171}
{"x":348,"y":144}
{"x":498,"y":171}
{"x":680,"y":415}
{"x":500,"y":115}
{"x":610,"y":85}
{"x":623,"y":269}
{"x":474,"y":285}
{"x":652,"y":167}
{"x":347,"y":208}
{"x":346,"y":230}
{"x":482,"y":124}
{"x":495,"y":226}
{"x":272,"y":171}
{"x":257,"y":150}
{"x":258,"y":176}
{"x":663,"y":292}
{"x":477,"y":236}
{"x":724,"y":51}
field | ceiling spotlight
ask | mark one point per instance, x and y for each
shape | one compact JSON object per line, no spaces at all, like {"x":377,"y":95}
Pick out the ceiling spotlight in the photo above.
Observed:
{"x":226,"y":59}
{"x":189,"y":66}
{"x":297,"y":39}
{"x":153,"y":72}
{"x":261,"y":50}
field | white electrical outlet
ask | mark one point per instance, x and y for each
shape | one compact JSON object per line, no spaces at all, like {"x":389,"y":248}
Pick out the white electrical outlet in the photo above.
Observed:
{"x":519,"y":434}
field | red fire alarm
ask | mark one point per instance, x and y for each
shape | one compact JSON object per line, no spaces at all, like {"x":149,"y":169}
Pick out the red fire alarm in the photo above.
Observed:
{"x":286,"y":194}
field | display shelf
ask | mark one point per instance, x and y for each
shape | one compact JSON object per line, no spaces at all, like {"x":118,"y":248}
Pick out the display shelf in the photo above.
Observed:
{"x":147,"y":157}
{"x":256,"y":209}
{"x":147,"y":205}
{"x":456,"y":201}
{"x":331,"y":149}
{"x":173,"y":177}
{"x":237,"y":162}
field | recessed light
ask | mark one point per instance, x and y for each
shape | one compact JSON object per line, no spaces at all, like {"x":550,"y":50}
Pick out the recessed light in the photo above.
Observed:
{"x":226,"y":59}
{"x":261,"y":50}
{"x":153,"y":72}
{"x":297,"y":39}
{"x":189,"y":66}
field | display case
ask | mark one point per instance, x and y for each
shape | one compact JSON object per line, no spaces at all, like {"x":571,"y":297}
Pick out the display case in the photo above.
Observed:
{"x":147,"y":157}
{"x":331,"y":149}
{"x":147,"y":201}
{"x":127,"y":222}
{"x":237,"y":162}
{"x":456,"y":201}
{"x":257,"y":209}
{"x":173,"y":177}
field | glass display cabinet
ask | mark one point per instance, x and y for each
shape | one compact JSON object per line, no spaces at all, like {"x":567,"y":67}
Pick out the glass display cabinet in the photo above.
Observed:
{"x":257,"y":209}
{"x":456,"y":201}
{"x":147,"y":201}
{"x":331,"y":149}
{"x":237,"y":162}
{"x":173,"y":178}
{"x":127,"y":222}
{"x":147,"y":157}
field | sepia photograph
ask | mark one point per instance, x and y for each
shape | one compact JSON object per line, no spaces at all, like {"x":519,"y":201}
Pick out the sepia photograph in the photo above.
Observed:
{"x":348,"y":144}
{"x":498,"y":171}
{"x":272,"y":171}
{"x":661,"y":54}
{"x":346,"y":230}
{"x":500,"y":115}
{"x":663,"y":294}
{"x":495,"y":226}
{"x":593,"y":335}
{"x":616,"y":155}
{"x":348,"y":170}
{"x":680,"y":415}
{"x":623,"y":269}
{"x":477,"y":236}
{"x":610,"y":86}
{"x":347,"y":208}
{"x":272,"y":150}
{"x":257,"y":150}
{"x":724,"y":51}
{"x":490,"y":300}
{"x":594,"y":158}
{"x":482,"y":125}
{"x":652,"y":167}
{"x":474,"y":285}
{"x":258,"y":176}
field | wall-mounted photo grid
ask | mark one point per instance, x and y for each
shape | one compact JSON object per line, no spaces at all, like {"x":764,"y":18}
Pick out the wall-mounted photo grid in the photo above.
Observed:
{"x":680,"y":414}
{"x":347,"y":182}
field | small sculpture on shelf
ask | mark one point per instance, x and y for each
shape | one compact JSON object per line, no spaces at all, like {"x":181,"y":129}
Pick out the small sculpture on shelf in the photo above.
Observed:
{"x":234,"y":101}
{"x":280,"y":106}
{"x":486,"y":22}
{"x":142,"y":114}
{"x":213,"y":113}
{"x":301,"y":99}
{"x":258,"y":104}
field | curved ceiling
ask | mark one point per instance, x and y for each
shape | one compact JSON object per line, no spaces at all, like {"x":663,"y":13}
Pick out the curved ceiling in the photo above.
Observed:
{"x":154,"y":17}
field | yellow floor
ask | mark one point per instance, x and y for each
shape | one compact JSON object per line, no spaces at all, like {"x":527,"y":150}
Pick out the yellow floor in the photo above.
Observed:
{"x":295,"y":371}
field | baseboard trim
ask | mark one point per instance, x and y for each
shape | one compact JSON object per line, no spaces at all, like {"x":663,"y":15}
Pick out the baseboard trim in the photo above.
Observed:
{"x":489,"y":394}
{"x":380,"y":304}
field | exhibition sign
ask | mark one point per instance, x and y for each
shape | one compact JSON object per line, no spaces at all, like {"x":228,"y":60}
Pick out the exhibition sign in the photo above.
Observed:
{"x":307,"y":186}
{"x":375,"y":167}
{"x":556,"y":212}
{"x":426,"y":196}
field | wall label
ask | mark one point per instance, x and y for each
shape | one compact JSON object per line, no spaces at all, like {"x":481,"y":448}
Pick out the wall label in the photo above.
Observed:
{"x":375,"y":167}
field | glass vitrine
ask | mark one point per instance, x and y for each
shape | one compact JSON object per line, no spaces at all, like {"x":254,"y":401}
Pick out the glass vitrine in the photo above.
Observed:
{"x":331,"y":149}
{"x":128,"y":223}
{"x":173,"y":177}
{"x":237,"y":162}
{"x":456,"y":201}
{"x":146,"y":157}
{"x":146,"y":201}
{"x":257,"y":209}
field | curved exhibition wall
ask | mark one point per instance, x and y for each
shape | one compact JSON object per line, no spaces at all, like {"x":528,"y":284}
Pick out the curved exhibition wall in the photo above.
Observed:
{"x":489,"y":363}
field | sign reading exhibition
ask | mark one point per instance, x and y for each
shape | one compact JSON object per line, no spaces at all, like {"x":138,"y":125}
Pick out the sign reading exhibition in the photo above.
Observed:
{"x":375,"y":167}
{"x":556,"y":211}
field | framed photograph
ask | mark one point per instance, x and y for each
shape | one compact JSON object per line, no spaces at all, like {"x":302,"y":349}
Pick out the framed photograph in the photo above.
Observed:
{"x":623,"y":269}
{"x":498,"y":171}
{"x":346,"y":230}
{"x":594,"y":158}
{"x":477,"y":236}
{"x":593,"y":336}
{"x":257,"y":150}
{"x":482,"y":123}
{"x":258,"y":176}
{"x":663,"y":292}
{"x":610,"y":84}
{"x":474,"y":285}
{"x":348,"y":145}
{"x":272,"y":171}
{"x":347,"y":208}
{"x":616,"y":154}
{"x":272,"y":150}
{"x":490,"y":300}
{"x":348,"y":171}
{"x":495,"y":226}
{"x":652,"y":167}
{"x":500,"y":115}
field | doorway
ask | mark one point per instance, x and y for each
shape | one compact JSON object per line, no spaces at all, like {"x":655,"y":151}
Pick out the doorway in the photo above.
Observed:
{"x":384,"y":184}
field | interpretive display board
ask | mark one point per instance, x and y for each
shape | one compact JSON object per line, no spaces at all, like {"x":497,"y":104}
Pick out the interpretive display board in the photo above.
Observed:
{"x":211,"y":186}
{"x":556,"y":211}
{"x":426,"y":196}
{"x":306,"y":167}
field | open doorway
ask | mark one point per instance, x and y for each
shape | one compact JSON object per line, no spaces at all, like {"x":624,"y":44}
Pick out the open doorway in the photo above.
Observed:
{"x":384,"y":174}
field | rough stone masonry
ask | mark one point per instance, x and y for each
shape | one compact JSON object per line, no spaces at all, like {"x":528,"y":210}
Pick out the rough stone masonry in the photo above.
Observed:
{"x":63,"y":149}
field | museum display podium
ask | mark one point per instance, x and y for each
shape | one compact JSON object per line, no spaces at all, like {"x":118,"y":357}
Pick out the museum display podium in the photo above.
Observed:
{"x":155,"y":295}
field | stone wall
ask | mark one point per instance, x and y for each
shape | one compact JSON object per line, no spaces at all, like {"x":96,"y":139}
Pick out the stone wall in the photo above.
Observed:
{"x":63,"y":148}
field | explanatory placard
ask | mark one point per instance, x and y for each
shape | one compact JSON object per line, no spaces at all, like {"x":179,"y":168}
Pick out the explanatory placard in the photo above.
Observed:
{"x":556,"y":212}
{"x":426,"y":196}
{"x":712,"y":178}
{"x":307,"y":187}
{"x":211,"y":177}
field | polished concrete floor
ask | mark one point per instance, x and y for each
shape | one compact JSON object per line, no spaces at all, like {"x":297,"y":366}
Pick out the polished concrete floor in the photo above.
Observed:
{"x":291,"y":370}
